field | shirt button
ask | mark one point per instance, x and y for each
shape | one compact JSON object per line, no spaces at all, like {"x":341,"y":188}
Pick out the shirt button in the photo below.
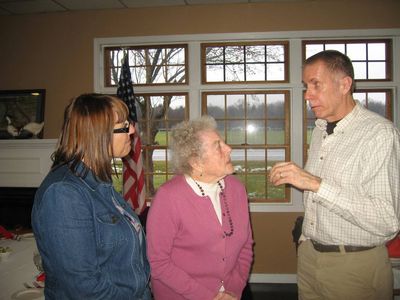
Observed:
{"x":312,"y":223}
{"x":223,"y":259}
{"x":321,"y":158}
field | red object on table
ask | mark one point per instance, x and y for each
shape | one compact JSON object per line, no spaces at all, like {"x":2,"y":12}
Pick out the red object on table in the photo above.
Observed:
{"x":6,"y":233}
{"x":393,"y":247}
{"x":41,"y":277}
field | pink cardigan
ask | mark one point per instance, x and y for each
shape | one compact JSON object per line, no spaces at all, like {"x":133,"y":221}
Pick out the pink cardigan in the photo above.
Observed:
{"x":189,"y":255}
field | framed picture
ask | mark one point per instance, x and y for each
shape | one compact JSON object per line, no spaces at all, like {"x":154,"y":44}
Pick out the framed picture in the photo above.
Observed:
{"x":22,"y":114}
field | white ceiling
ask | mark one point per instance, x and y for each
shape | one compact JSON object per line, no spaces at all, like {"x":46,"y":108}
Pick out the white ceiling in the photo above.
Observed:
{"x":17,"y":7}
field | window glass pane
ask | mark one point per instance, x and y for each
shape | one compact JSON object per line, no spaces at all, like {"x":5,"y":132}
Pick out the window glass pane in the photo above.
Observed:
{"x":312,"y":49}
{"x":176,"y":56}
{"x":215,"y":73}
{"x":175,"y":73}
{"x":377,"y":51}
{"x":276,"y":132}
{"x":235,"y":132}
{"x":214,"y":55}
{"x":275,"y":106}
{"x":361,"y":97}
{"x":176,"y":109}
{"x":138,"y":75}
{"x":234,"y":54}
{"x":255,"y":53}
{"x":310,"y":113}
{"x":275,"y":53}
{"x":255,"y":132}
{"x":377,"y":103}
{"x":274,"y":156}
{"x":357,"y":51}
{"x":338,"y":47}
{"x":310,"y":127}
{"x":255,"y":106}
{"x":234,"y":72}
{"x":160,"y":128}
{"x":360,"y":70}
{"x":221,"y":129}
{"x":256,"y":185}
{"x":160,"y":77}
{"x":276,"y":71}
{"x":255,"y":72}
{"x":216,"y":106}
{"x":160,"y":161}
{"x":376,"y":70}
{"x":158,"y":180}
{"x":238,"y":160}
{"x":235,"y":106}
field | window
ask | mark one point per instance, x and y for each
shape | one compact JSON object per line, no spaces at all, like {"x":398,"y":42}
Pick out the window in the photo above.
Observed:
{"x":245,"y":62}
{"x":379,"y":101}
{"x":157,"y":114}
{"x":164,"y":64}
{"x":371,"y":58}
{"x":256,"y":124}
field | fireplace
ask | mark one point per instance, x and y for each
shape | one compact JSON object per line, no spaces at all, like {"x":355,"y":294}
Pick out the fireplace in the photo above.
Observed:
{"x":23,"y":165}
{"x":16,"y":206}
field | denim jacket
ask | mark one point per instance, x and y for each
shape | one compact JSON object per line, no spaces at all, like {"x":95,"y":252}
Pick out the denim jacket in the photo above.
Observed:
{"x":89,"y":249}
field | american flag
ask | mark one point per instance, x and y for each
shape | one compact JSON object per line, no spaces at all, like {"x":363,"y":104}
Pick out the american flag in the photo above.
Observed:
{"x":133,"y":172}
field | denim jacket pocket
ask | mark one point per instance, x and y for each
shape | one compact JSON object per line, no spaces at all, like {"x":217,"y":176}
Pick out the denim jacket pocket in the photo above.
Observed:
{"x":110,"y":229}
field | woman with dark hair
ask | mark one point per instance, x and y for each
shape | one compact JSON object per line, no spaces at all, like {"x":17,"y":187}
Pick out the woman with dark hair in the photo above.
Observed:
{"x":91,"y":242}
{"x":199,"y":233}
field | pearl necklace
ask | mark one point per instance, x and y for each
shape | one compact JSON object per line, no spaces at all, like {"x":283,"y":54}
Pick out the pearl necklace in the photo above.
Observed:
{"x":230,"y":233}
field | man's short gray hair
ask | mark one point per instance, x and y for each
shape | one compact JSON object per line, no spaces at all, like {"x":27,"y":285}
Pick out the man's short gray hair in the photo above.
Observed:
{"x":186,"y":144}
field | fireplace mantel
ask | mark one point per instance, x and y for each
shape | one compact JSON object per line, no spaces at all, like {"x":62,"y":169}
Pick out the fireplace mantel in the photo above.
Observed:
{"x":25,"y":163}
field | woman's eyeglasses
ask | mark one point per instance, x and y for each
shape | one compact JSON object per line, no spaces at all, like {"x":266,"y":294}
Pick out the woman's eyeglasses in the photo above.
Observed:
{"x":124,"y":129}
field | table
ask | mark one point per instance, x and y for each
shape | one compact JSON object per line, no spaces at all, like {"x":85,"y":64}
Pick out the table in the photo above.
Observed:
{"x":18,"y":269}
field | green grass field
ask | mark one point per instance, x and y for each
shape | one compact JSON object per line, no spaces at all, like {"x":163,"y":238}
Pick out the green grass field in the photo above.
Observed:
{"x":257,"y":184}
{"x":255,"y":179}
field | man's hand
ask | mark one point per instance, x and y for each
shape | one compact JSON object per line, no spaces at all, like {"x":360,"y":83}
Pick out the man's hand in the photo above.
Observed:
{"x":290,"y":173}
{"x":225,"y":296}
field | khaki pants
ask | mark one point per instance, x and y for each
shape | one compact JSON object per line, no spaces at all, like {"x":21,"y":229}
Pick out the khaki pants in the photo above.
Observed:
{"x":364,"y":275}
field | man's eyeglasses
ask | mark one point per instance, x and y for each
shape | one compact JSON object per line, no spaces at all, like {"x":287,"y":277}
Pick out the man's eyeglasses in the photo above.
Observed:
{"x":124,"y":129}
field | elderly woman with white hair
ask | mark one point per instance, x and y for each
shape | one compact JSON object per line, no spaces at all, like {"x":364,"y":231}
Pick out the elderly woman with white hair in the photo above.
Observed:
{"x":198,"y":229}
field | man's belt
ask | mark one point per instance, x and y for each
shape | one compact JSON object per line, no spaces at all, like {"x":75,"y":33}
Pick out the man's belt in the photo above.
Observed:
{"x":336,"y":248}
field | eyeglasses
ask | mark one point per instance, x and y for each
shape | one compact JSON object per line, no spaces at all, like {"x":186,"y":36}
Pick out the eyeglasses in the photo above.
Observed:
{"x":124,"y":129}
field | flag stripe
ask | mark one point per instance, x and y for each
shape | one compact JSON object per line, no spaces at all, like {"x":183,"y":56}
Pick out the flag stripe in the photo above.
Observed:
{"x":133,"y":172}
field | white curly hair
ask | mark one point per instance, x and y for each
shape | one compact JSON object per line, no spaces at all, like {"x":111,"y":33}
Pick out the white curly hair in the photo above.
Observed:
{"x":186,"y":144}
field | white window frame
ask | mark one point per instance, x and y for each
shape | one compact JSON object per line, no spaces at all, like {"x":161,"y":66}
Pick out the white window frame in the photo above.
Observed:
{"x":194,"y":88}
